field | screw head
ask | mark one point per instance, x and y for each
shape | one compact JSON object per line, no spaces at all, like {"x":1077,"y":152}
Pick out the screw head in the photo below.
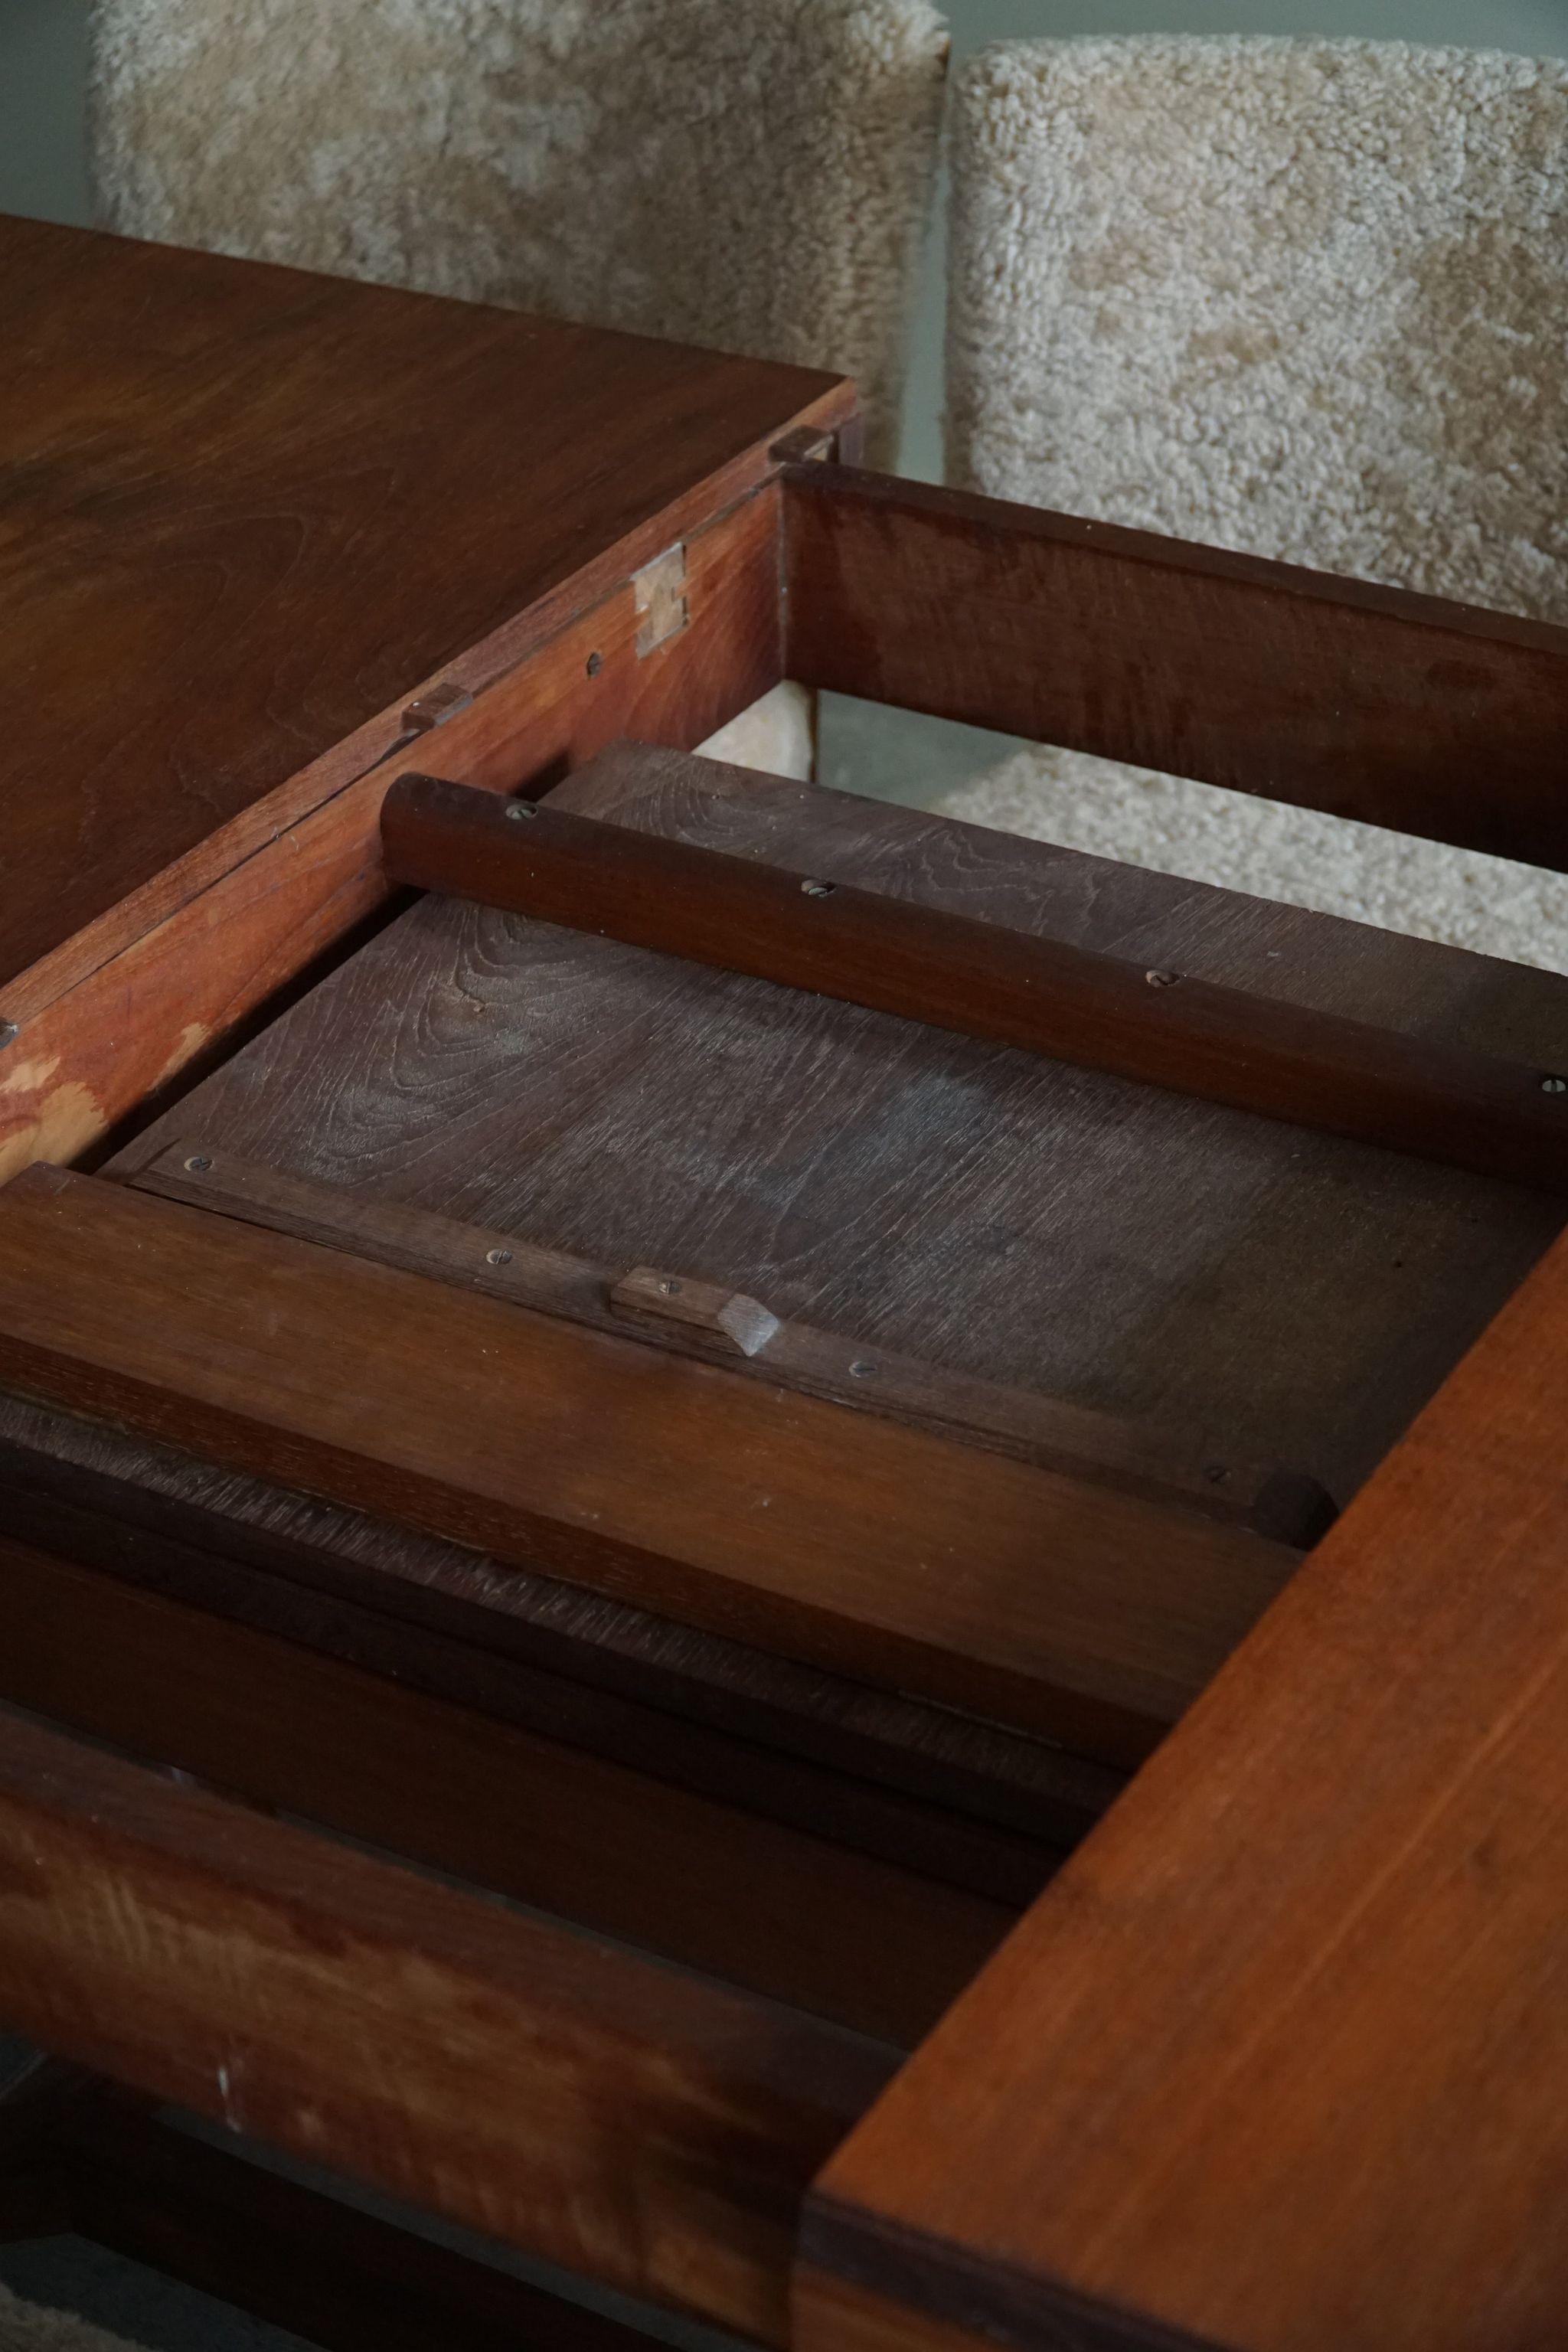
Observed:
{"x":1216,"y":1474}
{"x":862,"y":1370}
{"x":669,"y":1287}
{"x":1161,"y":979}
{"x":9,"y":1032}
{"x":199,"y":1164}
{"x":595,"y":663}
{"x":498,"y":1257}
{"x":818,"y":889}
{"x":1554,"y":1085}
{"x":521,"y":810}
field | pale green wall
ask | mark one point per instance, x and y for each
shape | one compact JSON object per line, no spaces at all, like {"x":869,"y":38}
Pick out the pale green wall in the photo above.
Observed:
{"x":43,"y":58}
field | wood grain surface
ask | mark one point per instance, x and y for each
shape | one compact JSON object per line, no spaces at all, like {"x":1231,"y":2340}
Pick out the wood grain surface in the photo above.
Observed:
{"x":1287,"y":1296}
{"x":602,"y":2110}
{"x":1369,"y":702}
{"x":880,"y":1552}
{"x":1282,"y":2060}
{"x":245,"y":508}
{"x":988,"y":980}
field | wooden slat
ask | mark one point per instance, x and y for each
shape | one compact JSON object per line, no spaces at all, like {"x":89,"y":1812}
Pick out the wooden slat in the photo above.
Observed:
{"x":1280,"y":2061}
{"x":1141,"y":1458}
{"x":1011,"y":987}
{"x":642,"y":2127}
{"x":1369,"y":702}
{"x":879,"y":1552}
{"x":773,"y":1910}
{"x":110,"y":1017}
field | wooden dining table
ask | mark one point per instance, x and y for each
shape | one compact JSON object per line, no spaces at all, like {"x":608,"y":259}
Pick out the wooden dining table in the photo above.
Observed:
{"x":809,"y":1565}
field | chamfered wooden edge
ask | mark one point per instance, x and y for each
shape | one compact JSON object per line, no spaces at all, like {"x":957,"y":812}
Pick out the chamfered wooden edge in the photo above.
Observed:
{"x":1072,"y":1610}
{"x":202,"y":948}
{"x":1403,"y":710}
{"x":1279,"y":2061}
{"x":957,"y":972}
{"x":644,"y":2127}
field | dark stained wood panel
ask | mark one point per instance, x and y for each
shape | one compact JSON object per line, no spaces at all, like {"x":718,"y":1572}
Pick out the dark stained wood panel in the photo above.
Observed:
{"x":1280,"y":2061}
{"x":989,"y":1209}
{"x":243,"y":508}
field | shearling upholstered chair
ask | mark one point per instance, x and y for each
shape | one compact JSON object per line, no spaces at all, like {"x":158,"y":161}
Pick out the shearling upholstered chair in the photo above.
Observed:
{"x":1304,"y":298}
{"x":749,"y":174}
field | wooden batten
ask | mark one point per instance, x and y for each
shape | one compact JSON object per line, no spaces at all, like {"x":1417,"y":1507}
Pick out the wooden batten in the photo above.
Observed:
{"x":1008,"y":987}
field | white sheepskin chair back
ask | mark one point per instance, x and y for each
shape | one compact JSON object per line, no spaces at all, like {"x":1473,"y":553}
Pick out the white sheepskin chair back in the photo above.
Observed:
{"x":1303,"y":298}
{"x":752,"y":175}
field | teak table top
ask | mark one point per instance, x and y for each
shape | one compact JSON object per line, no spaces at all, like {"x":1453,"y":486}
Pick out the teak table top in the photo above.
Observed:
{"x":242,"y":508}
{"x":405,"y":1509}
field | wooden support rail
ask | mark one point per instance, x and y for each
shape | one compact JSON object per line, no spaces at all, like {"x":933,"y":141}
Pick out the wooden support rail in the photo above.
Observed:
{"x":1369,"y":702}
{"x":1263,"y":1055}
{"x":899,"y":1559}
{"x":649,"y":2129}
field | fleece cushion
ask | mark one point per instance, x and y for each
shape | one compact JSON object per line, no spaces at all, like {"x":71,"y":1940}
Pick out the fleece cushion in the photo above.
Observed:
{"x":1304,"y":297}
{"x":751,"y":175}
{"x":28,"y":2328}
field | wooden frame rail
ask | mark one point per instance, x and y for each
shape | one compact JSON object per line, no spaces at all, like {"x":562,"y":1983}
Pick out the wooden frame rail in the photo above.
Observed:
{"x":652,"y":2130}
{"x":1065,"y":1608}
{"x":1369,"y":702}
{"x":1008,"y":987}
